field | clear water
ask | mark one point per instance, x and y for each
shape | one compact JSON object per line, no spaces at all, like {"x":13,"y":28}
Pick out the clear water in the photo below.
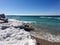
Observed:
{"x":47,"y":23}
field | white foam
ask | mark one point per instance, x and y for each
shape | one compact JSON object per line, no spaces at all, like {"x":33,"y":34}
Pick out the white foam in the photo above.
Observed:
{"x":47,"y":36}
{"x":14,"y":20}
{"x":52,"y":38}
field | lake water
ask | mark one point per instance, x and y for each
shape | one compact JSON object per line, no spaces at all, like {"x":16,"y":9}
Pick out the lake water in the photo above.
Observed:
{"x":47,"y":23}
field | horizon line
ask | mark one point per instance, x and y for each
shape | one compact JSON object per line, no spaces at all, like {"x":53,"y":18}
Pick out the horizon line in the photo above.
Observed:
{"x":32,"y":14}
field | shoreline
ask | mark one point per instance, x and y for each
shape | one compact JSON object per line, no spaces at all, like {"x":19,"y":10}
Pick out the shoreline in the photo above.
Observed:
{"x":40,"y":39}
{"x":45,"y":42}
{"x":46,"y":36}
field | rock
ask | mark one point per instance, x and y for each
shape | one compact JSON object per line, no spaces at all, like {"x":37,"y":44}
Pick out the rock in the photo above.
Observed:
{"x":4,"y":27}
{"x":2,"y":15}
{"x":28,"y":28}
{"x":21,"y":27}
{"x":3,"y":19}
{"x":26,"y":25}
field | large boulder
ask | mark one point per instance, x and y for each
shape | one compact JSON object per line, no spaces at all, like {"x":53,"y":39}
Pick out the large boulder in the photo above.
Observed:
{"x":2,"y":18}
{"x":13,"y":36}
{"x":2,"y":15}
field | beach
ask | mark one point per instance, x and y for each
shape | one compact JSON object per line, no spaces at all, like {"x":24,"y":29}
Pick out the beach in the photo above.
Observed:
{"x":45,"y":42}
{"x":37,"y":35}
{"x":29,"y":22}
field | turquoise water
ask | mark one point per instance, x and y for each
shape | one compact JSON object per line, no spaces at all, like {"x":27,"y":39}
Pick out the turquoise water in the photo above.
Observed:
{"x":47,"y":23}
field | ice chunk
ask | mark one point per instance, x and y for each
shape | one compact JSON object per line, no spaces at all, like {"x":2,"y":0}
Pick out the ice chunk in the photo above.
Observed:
{"x":13,"y":36}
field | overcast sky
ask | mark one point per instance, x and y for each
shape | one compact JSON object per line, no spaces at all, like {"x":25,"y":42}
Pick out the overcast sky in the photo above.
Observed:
{"x":41,"y":7}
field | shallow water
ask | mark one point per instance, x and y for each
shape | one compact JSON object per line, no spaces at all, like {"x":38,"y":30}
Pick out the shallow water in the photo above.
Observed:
{"x":47,"y":23}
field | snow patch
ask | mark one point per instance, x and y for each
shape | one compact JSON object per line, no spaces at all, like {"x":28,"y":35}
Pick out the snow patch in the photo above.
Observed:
{"x":15,"y":36}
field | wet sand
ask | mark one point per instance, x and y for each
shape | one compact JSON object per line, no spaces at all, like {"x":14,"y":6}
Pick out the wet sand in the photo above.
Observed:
{"x":45,"y":42}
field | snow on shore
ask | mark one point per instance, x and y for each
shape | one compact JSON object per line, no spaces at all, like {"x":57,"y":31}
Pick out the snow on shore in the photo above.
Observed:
{"x":15,"y":36}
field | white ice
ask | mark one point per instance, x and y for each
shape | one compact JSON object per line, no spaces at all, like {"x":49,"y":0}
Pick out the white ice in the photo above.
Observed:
{"x":15,"y":36}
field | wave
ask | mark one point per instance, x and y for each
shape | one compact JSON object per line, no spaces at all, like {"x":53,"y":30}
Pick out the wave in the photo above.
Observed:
{"x":58,"y":18}
{"x":46,"y":17}
{"x":22,"y":21}
{"x":47,"y":36}
{"x":51,"y":17}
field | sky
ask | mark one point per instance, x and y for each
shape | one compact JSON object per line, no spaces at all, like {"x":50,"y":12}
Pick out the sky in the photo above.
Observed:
{"x":25,"y":7}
